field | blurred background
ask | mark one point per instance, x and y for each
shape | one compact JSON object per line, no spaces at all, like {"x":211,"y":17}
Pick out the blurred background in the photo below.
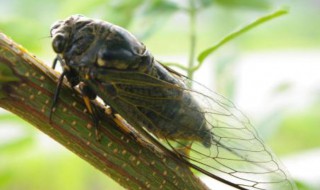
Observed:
{"x":271,"y":73}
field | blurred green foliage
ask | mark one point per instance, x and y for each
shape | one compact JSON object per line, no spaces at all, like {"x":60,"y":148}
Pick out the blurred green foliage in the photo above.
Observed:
{"x":300,"y":128}
{"x":163,"y":25}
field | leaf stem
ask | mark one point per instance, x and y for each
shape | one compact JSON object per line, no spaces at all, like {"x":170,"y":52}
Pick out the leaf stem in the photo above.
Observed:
{"x":192,"y":15}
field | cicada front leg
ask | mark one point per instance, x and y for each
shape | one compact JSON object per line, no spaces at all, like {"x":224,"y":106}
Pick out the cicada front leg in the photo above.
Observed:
{"x":89,"y":95}
{"x":56,"y":94}
{"x":72,"y":79}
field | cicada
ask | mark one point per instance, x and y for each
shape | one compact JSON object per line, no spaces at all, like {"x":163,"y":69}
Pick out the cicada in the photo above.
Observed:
{"x":218,"y":140}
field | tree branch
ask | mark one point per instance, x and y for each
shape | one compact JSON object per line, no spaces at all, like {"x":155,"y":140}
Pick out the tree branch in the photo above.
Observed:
{"x":26,"y":89}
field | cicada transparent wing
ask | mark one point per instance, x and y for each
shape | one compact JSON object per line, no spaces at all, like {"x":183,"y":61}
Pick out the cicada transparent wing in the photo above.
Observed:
{"x":235,"y":154}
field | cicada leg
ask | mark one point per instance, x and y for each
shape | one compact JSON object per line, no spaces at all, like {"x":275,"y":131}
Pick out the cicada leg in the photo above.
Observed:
{"x":184,"y":148}
{"x":121,"y":123}
{"x":55,"y":61}
{"x":56,"y":94}
{"x":124,"y":126}
{"x":72,"y":79}
{"x":88,"y":95}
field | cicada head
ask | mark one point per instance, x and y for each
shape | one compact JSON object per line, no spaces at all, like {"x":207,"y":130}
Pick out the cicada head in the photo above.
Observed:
{"x":84,"y":42}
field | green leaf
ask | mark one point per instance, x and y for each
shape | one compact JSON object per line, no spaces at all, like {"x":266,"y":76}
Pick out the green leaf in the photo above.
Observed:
{"x":85,"y":7}
{"x":160,"y":7}
{"x":122,"y":12}
{"x":204,"y":54}
{"x":153,"y":16}
{"x":206,"y":3}
{"x":304,"y":186}
{"x":252,"y":4}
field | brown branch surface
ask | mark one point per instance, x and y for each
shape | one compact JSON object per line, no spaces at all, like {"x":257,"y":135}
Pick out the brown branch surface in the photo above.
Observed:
{"x":26,"y":89}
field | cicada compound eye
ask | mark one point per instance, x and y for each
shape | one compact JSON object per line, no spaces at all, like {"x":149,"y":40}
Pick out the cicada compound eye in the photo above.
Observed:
{"x":59,"y":43}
